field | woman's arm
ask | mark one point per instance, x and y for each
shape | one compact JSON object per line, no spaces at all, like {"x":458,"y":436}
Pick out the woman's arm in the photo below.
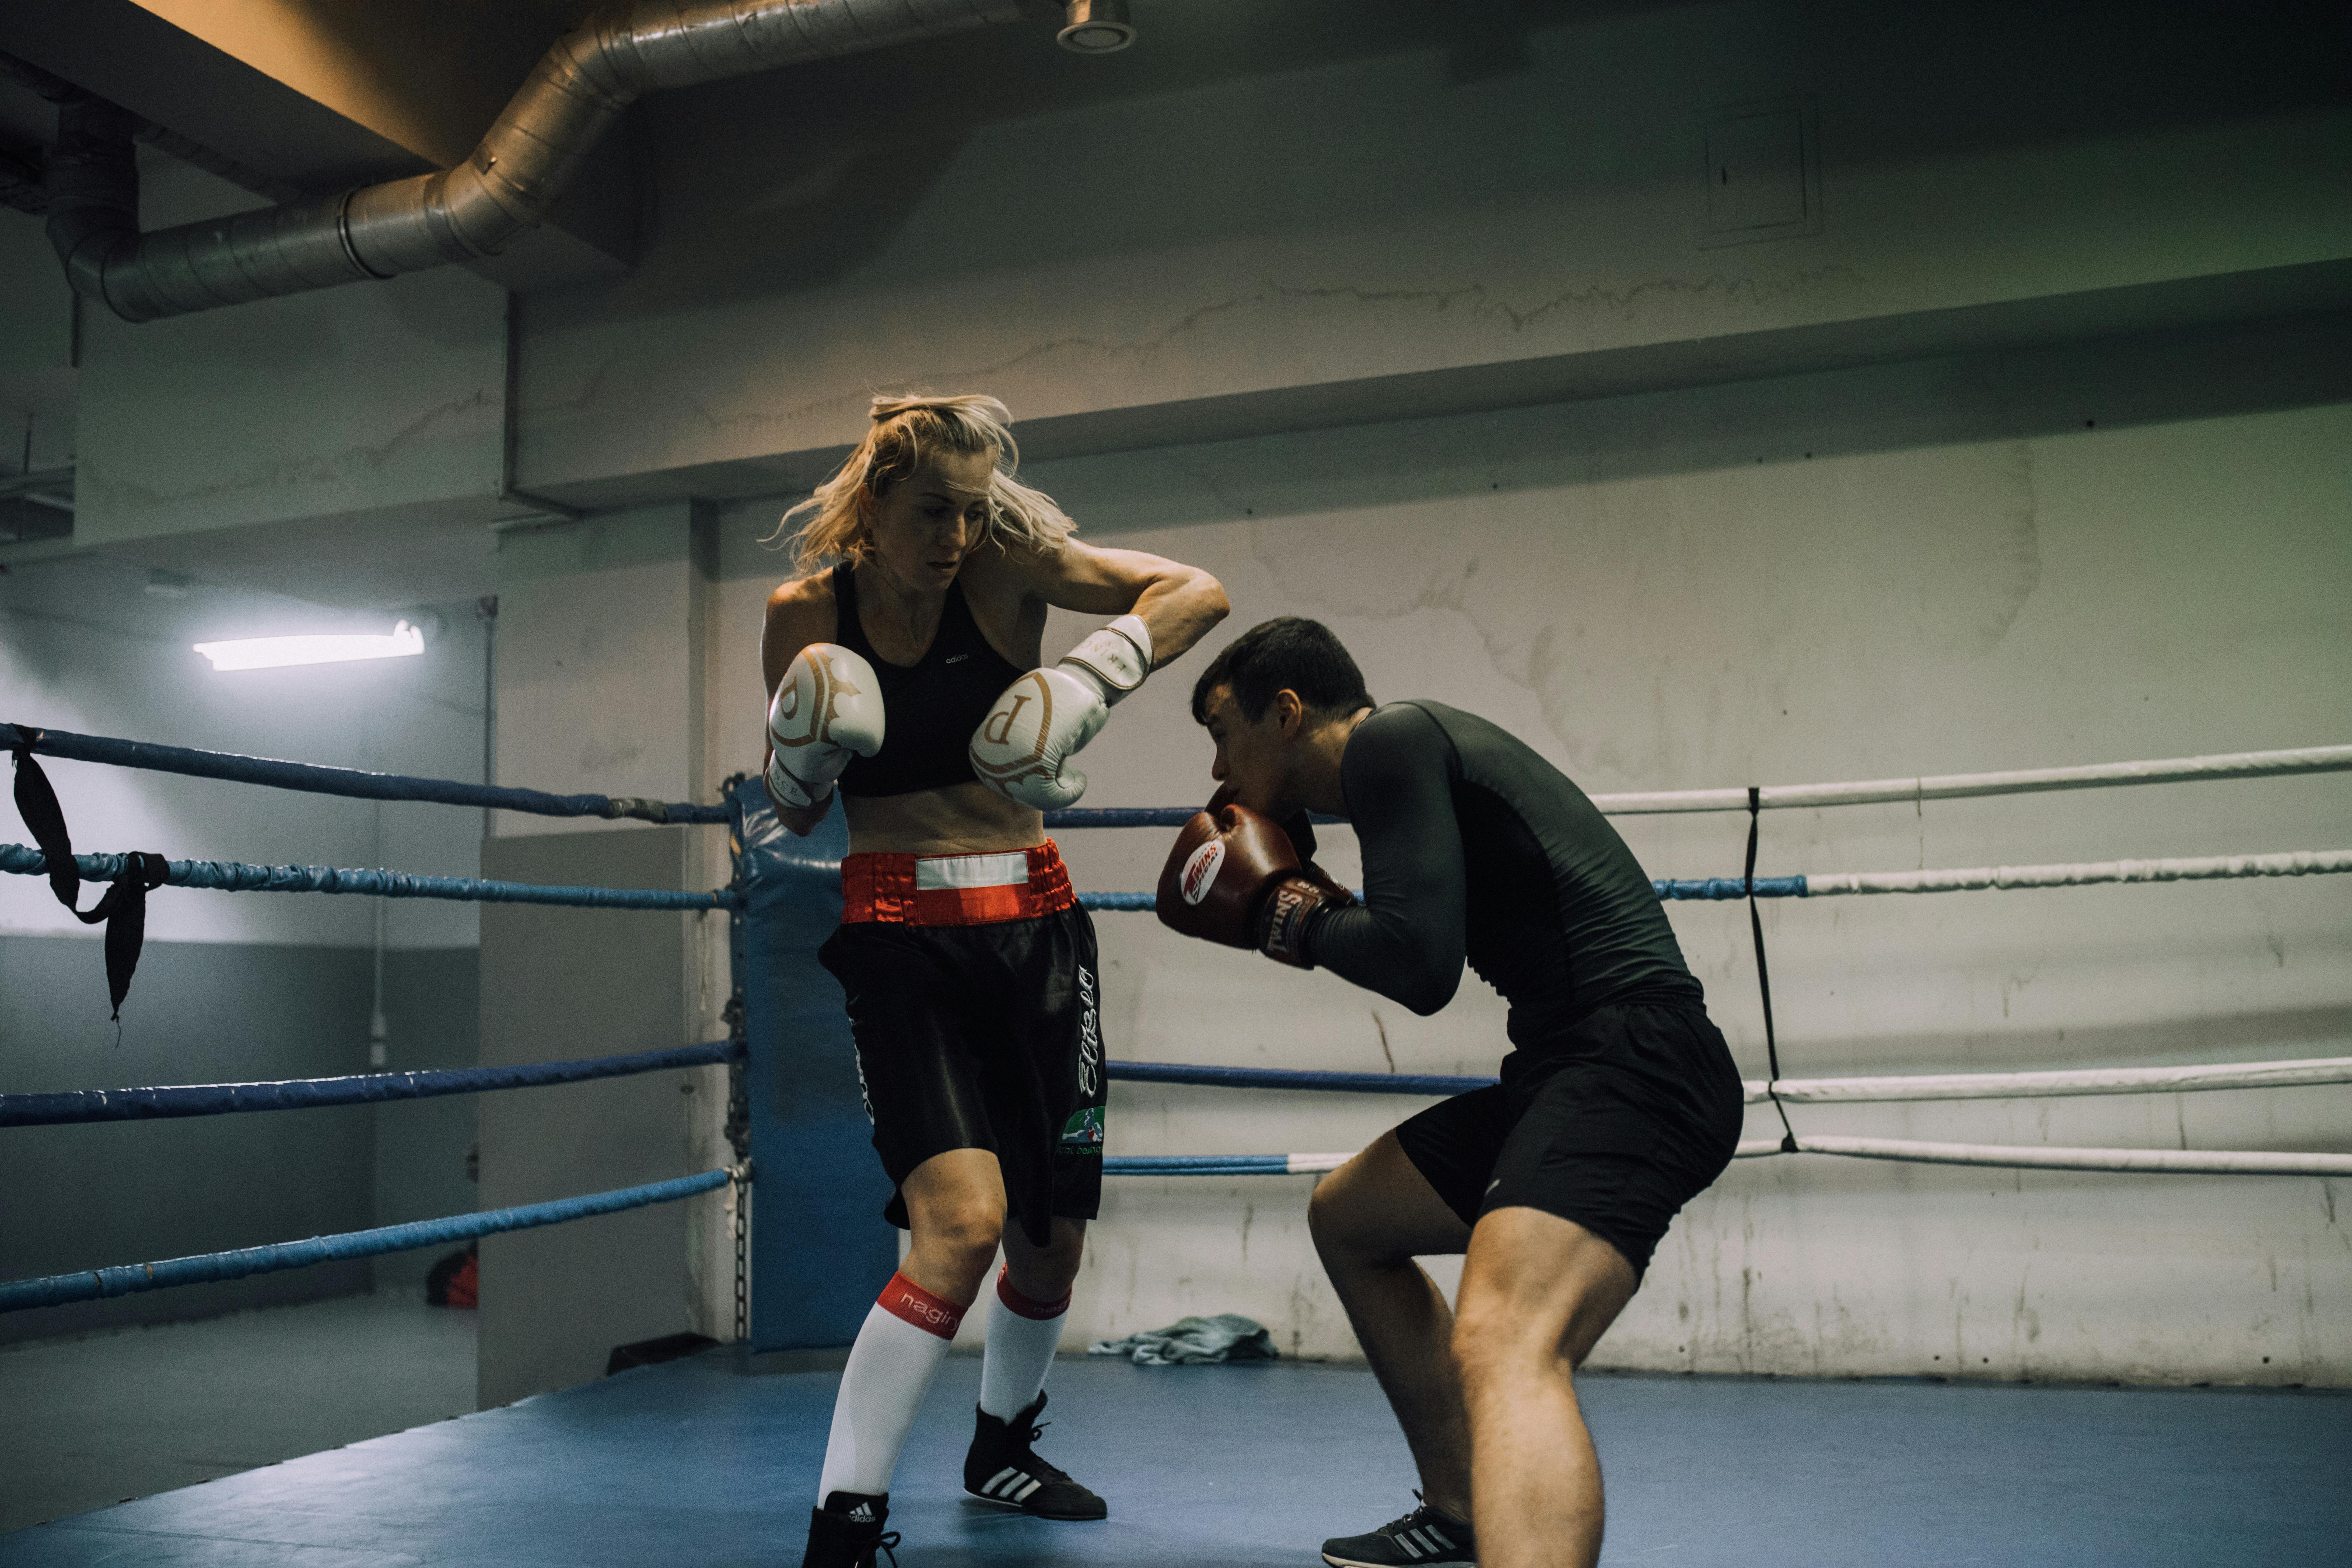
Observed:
{"x":1177,"y":603}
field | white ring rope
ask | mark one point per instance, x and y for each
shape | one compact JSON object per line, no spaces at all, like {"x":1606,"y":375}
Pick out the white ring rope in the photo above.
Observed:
{"x":2039,"y":1084}
{"x":2013,"y":1085}
{"x":1961,"y":786}
{"x":2200,"y":869}
{"x":2172,"y":1161}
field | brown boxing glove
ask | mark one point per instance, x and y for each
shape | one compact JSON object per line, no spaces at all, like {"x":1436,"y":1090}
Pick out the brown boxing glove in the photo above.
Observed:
{"x":1234,"y":878}
{"x":1298,"y":824}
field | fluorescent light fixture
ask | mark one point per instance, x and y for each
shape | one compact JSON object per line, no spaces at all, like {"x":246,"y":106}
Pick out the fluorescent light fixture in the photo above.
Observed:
{"x":330,"y":647}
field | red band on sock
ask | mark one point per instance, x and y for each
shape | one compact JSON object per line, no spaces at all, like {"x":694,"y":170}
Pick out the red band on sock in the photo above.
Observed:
{"x":1040,"y":1310}
{"x":902,"y":1298}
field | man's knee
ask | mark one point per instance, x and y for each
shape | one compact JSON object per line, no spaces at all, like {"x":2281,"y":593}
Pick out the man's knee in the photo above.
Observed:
{"x":1494,"y":1337}
{"x":1537,"y":1290}
{"x":1340,"y":1223}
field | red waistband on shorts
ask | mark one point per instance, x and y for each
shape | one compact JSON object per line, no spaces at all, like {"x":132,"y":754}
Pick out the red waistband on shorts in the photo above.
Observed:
{"x":954,"y":889}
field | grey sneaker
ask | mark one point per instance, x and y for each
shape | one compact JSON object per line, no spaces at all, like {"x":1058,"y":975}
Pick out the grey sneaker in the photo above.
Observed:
{"x":1425,"y":1538}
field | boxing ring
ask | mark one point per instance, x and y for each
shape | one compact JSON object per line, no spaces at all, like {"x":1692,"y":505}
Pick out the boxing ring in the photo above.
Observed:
{"x":714,"y":1467}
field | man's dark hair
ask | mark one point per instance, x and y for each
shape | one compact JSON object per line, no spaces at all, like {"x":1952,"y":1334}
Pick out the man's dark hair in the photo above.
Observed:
{"x":1288,"y":651}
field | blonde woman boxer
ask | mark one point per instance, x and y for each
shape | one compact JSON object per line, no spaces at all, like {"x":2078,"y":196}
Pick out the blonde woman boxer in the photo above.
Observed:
{"x":904,"y":675}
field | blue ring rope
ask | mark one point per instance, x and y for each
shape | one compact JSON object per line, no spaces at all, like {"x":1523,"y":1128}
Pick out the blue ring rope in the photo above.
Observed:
{"x":1196,"y":1165}
{"x":91,"y":1284}
{"x":309,"y":1093}
{"x":1294,"y":1077}
{"x":236,"y":876}
{"x":353,"y":782}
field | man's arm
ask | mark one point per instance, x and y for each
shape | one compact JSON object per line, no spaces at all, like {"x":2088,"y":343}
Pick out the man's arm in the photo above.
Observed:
{"x":1405,"y":941}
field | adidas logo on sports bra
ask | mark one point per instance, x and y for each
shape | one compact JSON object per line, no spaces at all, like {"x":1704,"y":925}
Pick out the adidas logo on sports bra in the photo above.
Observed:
{"x":955,"y":658}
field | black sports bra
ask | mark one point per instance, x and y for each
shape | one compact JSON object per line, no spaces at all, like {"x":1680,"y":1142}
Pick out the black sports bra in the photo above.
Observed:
{"x":930,"y":707}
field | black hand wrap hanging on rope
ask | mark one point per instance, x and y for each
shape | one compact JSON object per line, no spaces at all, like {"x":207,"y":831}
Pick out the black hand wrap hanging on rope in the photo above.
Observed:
{"x":1763,"y":975}
{"x":123,"y":907}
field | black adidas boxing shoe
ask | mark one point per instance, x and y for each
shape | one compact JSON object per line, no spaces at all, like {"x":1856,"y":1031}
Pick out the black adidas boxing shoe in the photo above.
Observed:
{"x":1003,"y":1470}
{"x":1425,"y":1538}
{"x":848,"y":1532}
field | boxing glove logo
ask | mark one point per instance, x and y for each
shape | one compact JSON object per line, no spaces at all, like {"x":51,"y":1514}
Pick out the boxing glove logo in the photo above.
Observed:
{"x":1199,"y":873}
{"x":803,"y":716}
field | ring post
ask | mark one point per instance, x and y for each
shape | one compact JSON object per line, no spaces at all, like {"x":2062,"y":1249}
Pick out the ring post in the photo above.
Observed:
{"x":820,"y":1248}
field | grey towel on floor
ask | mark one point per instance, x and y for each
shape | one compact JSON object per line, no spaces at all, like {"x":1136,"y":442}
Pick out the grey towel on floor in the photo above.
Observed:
{"x":1194,"y":1341}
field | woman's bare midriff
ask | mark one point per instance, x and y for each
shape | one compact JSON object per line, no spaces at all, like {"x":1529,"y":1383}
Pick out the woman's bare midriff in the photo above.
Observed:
{"x":961,"y":819}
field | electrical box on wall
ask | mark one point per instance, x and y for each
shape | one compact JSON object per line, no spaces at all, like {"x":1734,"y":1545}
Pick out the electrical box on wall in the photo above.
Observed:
{"x":1763,"y":173}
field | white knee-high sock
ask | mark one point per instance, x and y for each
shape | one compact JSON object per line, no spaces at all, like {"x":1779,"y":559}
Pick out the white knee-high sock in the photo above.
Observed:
{"x":906,"y":1335}
{"x":1022,"y":1334}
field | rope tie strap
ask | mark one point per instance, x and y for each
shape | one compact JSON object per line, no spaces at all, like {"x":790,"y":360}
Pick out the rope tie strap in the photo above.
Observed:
{"x":122,"y":909}
{"x":1763,"y":975}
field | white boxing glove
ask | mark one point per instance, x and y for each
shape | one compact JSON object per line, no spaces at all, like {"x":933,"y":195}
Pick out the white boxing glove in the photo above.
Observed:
{"x":826,"y":710}
{"x":1023,"y":749}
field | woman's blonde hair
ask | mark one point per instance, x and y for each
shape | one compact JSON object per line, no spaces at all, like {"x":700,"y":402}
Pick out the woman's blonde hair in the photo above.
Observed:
{"x":905,"y":431}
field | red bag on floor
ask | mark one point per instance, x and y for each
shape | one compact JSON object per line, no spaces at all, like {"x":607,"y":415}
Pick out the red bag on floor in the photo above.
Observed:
{"x":454,"y":1280}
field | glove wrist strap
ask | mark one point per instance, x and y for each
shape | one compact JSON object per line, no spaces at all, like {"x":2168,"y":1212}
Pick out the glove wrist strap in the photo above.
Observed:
{"x":792,"y":790}
{"x":1116,"y":658}
{"x":1286,"y":919}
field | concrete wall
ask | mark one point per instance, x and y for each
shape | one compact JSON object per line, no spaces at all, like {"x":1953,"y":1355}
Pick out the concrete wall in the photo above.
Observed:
{"x":600,"y":687}
{"x":1272,"y":230}
{"x":581,"y":983}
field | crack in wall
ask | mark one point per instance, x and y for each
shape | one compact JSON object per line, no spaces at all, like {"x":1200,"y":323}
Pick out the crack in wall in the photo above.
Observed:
{"x":130,"y":495}
{"x":1486,"y":304}
{"x":1598,"y":297}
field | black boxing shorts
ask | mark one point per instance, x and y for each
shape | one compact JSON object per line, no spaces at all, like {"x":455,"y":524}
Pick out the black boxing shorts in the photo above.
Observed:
{"x":975,"y":1006}
{"x":1614,"y":1124}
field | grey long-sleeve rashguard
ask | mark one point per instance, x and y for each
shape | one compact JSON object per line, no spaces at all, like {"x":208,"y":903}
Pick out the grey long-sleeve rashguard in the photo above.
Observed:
{"x":1475,"y":847}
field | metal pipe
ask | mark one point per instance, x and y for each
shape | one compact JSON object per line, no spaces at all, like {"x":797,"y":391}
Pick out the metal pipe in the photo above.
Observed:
{"x":580,"y":87}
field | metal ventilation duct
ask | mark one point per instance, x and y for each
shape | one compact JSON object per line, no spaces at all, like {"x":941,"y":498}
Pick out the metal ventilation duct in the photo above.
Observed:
{"x":524,"y":163}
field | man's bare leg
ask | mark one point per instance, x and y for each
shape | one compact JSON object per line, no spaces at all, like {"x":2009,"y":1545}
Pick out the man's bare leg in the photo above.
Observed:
{"x":1537,"y":1293}
{"x":1371,"y":1219}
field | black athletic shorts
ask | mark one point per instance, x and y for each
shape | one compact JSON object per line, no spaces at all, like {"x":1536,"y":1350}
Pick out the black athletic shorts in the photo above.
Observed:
{"x":1615,"y":1124}
{"x":978,"y":1024}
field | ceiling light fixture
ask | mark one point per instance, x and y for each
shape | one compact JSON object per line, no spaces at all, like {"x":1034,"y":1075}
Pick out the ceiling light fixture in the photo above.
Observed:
{"x":330,"y":647}
{"x":1096,"y":27}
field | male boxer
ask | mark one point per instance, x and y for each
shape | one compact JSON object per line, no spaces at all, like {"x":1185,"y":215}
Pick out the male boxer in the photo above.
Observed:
{"x":1618,"y":1103}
